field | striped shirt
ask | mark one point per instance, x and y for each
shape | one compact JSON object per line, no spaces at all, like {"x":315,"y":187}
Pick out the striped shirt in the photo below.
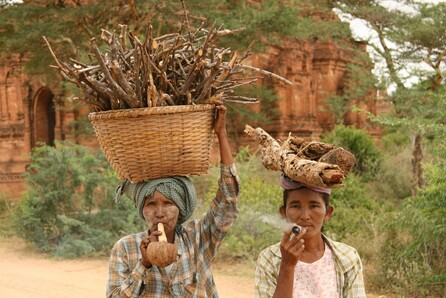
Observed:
{"x":198,"y":241}
{"x":348,"y":269}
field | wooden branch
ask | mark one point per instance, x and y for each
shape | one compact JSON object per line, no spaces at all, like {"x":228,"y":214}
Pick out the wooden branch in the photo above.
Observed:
{"x":174,"y":68}
{"x":136,"y":75}
{"x":123,"y":37}
{"x":54,"y":55}
{"x":225,"y":73}
{"x":113,"y":85}
{"x":209,"y":80}
{"x":124,"y":84}
{"x":265,"y":72}
{"x":241,"y":99}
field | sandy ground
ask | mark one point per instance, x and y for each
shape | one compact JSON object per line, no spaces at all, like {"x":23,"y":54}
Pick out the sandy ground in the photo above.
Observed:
{"x":32,"y":275}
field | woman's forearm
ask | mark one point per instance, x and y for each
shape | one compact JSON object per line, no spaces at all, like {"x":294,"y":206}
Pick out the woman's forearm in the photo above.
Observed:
{"x":225,"y":151}
{"x":285,"y":283}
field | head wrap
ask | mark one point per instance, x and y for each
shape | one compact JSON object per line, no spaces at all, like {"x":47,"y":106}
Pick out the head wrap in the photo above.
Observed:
{"x":289,"y":184}
{"x":179,"y":189}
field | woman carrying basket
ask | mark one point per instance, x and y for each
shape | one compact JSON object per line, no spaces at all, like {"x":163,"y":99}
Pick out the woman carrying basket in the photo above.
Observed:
{"x":171,"y":201}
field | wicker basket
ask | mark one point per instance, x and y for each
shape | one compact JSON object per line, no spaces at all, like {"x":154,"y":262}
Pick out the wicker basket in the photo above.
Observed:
{"x":149,"y":143}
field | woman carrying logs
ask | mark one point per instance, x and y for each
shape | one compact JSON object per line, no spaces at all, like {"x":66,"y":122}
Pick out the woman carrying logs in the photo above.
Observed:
{"x":308,"y":264}
{"x":170,"y":202}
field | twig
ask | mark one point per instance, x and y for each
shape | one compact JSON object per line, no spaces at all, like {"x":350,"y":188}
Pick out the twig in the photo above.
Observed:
{"x":265,"y":72}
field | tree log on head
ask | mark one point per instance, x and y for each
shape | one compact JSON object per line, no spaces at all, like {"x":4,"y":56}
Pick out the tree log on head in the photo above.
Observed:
{"x":312,"y":163}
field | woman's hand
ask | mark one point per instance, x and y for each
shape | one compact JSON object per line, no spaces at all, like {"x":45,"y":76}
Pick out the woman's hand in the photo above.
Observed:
{"x":153,"y":237}
{"x":220,"y":131}
{"x":291,"y":247}
{"x":220,"y":121}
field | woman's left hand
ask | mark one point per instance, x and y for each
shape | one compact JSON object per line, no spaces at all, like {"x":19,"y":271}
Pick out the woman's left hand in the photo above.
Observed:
{"x":220,"y":121}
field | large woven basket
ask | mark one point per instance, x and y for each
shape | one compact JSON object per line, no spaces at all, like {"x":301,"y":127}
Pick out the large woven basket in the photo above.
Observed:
{"x":149,"y":143}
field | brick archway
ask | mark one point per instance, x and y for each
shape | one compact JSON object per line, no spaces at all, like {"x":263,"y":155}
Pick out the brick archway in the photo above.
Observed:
{"x":44,"y":120}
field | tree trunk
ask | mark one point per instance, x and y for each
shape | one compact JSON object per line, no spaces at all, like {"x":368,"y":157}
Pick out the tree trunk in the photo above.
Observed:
{"x":417,"y":170}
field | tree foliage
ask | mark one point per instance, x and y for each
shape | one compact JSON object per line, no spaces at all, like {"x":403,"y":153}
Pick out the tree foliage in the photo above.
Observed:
{"x":409,"y":40}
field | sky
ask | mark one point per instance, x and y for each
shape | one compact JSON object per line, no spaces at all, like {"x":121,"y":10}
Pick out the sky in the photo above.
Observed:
{"x":360,"y":31}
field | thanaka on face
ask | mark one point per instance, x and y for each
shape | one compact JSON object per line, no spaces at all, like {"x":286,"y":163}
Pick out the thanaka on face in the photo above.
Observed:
{"x":160,"y":209}
{"x":307,"y":209}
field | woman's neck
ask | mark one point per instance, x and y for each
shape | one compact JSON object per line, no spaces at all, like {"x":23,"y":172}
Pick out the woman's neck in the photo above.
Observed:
{"x":314,"y":244}
{"x":314,"y":250}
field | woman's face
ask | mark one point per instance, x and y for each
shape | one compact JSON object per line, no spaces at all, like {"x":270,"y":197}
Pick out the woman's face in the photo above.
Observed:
{"x":306,"y":208}
{"x":160,"y":209}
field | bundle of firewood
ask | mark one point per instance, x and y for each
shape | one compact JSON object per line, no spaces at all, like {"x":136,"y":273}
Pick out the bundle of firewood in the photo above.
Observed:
{"x":313,"y":163}
{"x":172,"y":69}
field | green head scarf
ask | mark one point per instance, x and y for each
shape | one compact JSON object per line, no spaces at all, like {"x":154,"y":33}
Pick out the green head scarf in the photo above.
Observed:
{"x":179,"y":189}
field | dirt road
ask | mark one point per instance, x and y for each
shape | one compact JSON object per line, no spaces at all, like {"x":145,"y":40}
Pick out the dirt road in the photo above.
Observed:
{"x":31,"y":275}
{"x":26,"y":274}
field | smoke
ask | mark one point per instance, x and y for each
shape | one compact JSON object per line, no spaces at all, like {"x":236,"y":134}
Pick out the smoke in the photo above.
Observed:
{"x":277,"y":222}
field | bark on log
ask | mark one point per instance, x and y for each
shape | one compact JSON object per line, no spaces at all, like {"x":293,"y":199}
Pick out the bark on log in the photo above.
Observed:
{"x":313,"y":163}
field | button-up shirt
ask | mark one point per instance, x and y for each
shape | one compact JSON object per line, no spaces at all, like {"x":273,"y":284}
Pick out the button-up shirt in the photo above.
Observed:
{"x":198,"y":241}
{"x":348,"y":269}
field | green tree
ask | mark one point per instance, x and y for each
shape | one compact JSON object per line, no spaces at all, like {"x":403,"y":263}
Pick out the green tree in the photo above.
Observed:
{"x":411,"y":43}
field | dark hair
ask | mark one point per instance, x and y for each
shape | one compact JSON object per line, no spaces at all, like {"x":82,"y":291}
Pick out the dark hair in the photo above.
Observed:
{"x":325,"y":197}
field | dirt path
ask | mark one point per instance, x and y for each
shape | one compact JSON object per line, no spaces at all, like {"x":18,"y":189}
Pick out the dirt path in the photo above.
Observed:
{"x":31,"y":275}
{"x":26,"y":274}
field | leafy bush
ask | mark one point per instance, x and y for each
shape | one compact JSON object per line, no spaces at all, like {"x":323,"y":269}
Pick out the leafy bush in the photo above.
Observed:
{"x":393,"y":141}
{"x":413,"y":255}
{"x":68,"y":208}
{"x":361,"y":144}
{"x":354,"y":209}
{"x":395,"y":175}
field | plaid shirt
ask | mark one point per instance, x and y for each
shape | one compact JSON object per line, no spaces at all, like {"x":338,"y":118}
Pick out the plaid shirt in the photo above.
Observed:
{"x":190,"y":275}
{"x":347,"y":262}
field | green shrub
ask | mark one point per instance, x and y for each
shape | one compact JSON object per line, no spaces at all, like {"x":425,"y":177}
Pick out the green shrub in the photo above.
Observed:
{"x":6,"y":207}
{"x":393,"y":183}
{"x":354,"y":209}
{"x":393,"y":141}
{"x":413,"y":254}
{"x":361,"y":144}
{"x":250,"y":234}
{"x":395,"y":174}
{"x":68,"y":209}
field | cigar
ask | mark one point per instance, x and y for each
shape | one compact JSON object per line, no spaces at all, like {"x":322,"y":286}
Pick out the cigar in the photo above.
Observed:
{"x":296,"y":230}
